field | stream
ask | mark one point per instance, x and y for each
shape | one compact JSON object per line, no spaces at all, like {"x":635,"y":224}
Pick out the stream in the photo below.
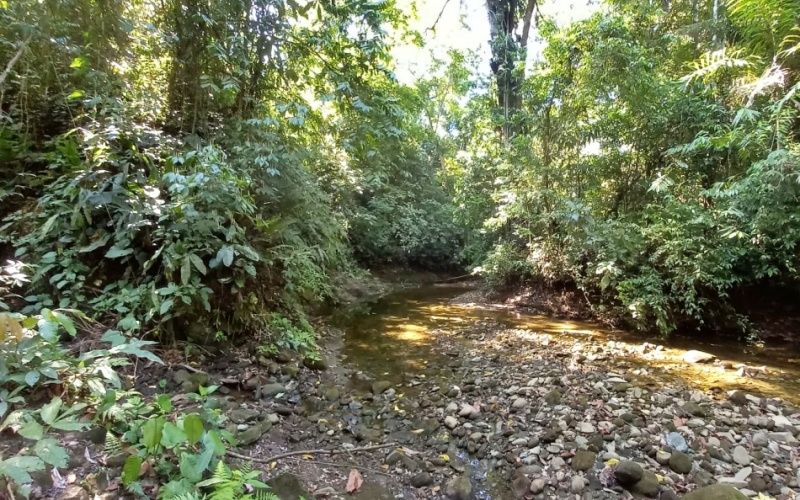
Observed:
{"x":395,"y":335}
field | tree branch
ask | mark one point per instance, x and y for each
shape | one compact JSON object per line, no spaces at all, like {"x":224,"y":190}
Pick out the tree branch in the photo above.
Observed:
{"x":13,"y":61}
{"x":439,"y":17}
{"x":533,"y":5}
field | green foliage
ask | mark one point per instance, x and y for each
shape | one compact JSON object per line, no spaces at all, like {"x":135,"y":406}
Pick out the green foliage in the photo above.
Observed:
{"x":657,"y":193}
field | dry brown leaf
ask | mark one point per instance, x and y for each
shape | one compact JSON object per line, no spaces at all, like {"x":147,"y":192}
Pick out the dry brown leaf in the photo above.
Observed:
{"x":354,"y":481}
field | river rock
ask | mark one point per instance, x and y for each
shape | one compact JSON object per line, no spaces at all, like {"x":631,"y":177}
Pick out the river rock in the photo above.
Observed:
{"x":74,"y":492}
{"x":253,"y":434}
{"x":577,"y":485}
{"x":371,"y":491}
{"x":583,"y":460}
{"x":519,"y":403}
{"x":520,"y":485}
{"x":459,"y":488}
{"x":553,"y":397}
{"x":586,"y":428}
{"x":662,"y":457}
{"x":680,"y":462}
{"x":628,"y":473}
{"x":738,"y":398}
{"x":648,"y":485}
{"x":760,"y":439}
{"x":421,"y":480}
{"x":538,"y":485}
{"x":677,"y":442}
{"x":243,"y":415}
{"x":332,"y":393}
{"x":316,"y":363}
{"x":381,"y":386}
{"x":716,"y":492}
{"x":698,"y":357}
{"x":695,"y":409}
{"x":450,"y":422}
{"x":288,"y":487}
{"x":270,"y":390}
{"x":741,"y":456}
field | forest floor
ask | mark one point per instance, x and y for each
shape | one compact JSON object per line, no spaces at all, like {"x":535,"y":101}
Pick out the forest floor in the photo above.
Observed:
{"x":492,"y":412}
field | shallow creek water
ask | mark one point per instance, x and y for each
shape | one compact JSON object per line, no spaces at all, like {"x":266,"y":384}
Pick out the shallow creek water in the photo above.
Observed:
{"x":396,"y":335}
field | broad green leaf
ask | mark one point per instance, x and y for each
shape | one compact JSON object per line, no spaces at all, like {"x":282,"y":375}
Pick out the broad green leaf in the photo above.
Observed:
{"x":116,"y":252}
{"x":130,"y":471}
{"x":32,"y":377}
{"x":198,"y":263}
{"x":152,"y":433}
{"x":172,"y":436}
{"x":49,"y":412}
{"x":188,"y":467}
{"x":78,"y":62}
{"x":186,"y":271}
{"x":50,"y":452}
{"x":164,"y":403}
{"x":204,"y":460}
{"x":213,"y":441}
{"x":193,"y":427}
{"x":66,"y":322}
{"x":225,"y":255}
{"x":31,"y":430}
{"x":165,"y":306}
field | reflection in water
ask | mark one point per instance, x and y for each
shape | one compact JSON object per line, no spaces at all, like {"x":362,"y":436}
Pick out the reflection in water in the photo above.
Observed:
{"x":393,"y":335}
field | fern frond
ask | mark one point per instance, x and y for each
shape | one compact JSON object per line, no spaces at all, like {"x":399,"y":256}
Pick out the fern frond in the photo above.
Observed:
{"x":711,"y":64}
{"x":112,"y":445}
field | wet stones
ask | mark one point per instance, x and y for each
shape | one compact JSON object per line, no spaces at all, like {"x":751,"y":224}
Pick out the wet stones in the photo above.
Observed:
{"x":520,"y":485}
{"x":648,"y":485}
{"x":254,"y":433}
{"x":628,"y":473}
{"x":553,"y":397}
{"x":519,"y":403}
{"x":316,"y":363}
{"x":380,"y":387}
{"x":538,"y":485}
{"x":694,"y":357}
{"x":577,"y":485}
{"x":459,"y":488}
{"x":741,"y":456}
{"x":583,"y":460}
{"x":332,"y":394}
{"x":270,"y":390}
{"x":738,"y":398}
{"x":716,"y":492}
{"x":680,"y":462}
{"x":421,"y":480}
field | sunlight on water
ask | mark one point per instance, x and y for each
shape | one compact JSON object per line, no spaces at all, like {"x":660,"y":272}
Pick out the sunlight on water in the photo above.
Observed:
{"x":399,"y":332}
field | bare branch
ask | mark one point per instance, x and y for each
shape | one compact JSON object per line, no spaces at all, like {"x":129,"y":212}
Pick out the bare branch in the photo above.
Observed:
{"x":13,"y":61}
{"x":438,"y":18}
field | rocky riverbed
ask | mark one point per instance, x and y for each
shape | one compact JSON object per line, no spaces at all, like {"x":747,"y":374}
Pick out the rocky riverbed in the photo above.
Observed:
{"x":477,"y":408}
{"x":499,"y":412}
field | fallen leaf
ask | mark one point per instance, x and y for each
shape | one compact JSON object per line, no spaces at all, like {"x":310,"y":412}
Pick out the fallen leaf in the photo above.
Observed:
{"x":308,"y":457}
{"x":354,"y":481}
{"x":445,"y":457}
{"x":272,"y":465}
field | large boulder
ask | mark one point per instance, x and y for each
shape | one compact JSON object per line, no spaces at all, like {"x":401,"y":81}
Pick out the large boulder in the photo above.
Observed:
{"x":716,"y":492}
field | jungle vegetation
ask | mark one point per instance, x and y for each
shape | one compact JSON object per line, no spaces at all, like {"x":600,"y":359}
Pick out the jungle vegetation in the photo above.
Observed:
{"x":207,"y":169}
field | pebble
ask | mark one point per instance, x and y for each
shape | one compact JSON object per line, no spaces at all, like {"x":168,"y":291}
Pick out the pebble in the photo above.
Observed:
{"x":741,"y":456}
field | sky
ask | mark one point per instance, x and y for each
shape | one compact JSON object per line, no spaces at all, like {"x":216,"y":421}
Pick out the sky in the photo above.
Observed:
{"x":464,"y":25}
